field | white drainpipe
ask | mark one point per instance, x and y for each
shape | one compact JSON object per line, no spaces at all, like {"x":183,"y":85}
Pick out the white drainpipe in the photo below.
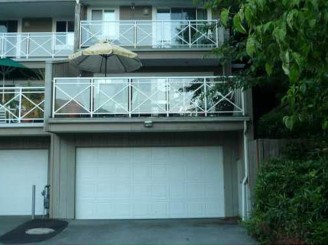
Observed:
{"x":245,"y":180}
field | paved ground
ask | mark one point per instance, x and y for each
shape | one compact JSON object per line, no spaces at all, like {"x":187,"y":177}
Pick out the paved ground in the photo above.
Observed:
{"x":143,"y":232}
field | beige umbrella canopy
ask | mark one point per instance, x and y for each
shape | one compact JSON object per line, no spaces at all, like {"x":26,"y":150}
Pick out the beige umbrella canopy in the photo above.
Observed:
{"x":106,"y":58}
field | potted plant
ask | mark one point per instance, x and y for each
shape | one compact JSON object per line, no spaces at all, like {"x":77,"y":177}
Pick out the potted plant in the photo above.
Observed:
{"x":218,"y":96}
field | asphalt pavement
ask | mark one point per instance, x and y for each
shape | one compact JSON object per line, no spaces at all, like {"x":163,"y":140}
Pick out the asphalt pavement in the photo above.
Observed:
{"x":143,"y":232}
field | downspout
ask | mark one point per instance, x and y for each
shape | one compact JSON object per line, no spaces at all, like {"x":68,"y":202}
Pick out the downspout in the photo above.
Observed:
{"x":245,"y":180}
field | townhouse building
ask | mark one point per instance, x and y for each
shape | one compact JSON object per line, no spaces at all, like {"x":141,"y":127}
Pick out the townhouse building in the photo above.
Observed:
{"x":166,"y":141}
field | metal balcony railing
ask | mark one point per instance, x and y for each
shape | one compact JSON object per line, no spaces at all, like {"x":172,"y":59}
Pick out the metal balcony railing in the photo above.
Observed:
{"x":36,"y":45}
{"x":145,"y":96}
{"x":180,"y":34}
{"x":21,"y":105}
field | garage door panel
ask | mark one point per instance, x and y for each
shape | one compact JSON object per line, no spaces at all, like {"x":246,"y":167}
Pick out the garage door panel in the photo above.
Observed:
{"x":159,"y":209}
{"x":89,"y":189}
{"x":150,"y":182}
{"x":178,"y":191}
{"x":212,"y":191}
{"x":19,"y":170}
{"x":141,"y":171}
{"x":159,"y":191}
{"x":196,"y":190}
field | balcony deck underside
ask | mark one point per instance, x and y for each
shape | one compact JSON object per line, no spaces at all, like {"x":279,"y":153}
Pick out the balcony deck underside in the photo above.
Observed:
{"x":22,"y":130}
{"x":134,"y":125}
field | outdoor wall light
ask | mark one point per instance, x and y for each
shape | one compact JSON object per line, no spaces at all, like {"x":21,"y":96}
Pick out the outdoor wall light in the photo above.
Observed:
{"x":26,"y":23}
{"x":133,"y":6}
{"x":148,"y":124}
{"x":146,"y":11}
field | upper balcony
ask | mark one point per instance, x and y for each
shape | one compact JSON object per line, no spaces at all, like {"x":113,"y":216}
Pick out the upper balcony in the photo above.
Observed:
{"x":36,"y":45}
{"x":154,"y":34}
{"x":145,"y":104}
{"x":145,"y":97}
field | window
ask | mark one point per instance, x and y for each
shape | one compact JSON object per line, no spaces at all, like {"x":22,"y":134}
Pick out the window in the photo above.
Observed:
{"x":8,"y":26}
{"x":64,"y":26}
{"x":181,"y":14}
{"x":107,"y":25}
{"x":65,"y":33}
{"x":177,"y":26}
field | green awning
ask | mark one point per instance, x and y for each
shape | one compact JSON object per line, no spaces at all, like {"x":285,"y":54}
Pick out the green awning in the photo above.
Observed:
{"x":7,"y":62}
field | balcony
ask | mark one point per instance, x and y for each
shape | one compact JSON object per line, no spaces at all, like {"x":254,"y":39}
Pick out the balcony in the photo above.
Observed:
{"x":181,"y":34}
{"x":36,"y":45}
{"x":122,"y":97}
{"x":21,"y":106}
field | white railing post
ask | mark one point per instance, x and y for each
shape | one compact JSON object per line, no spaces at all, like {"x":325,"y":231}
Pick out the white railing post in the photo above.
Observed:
{"x":217,"y":36}
{"x":81,"y":41}
{"x":135,"y":34}
{"x":243,"y":102}
{"x":205,"y":97}
{"x":28,"y":41}
{"x":92,"y":97}
{"x":20,"y":105}
{"x":2,"y":46}
{"x":54,"y":86}
{"x":162,"y":34}
{"x":167,"y":95}
{"x":53,"y":44}
{"x":130,"y":97}
{"x":190,"y":37}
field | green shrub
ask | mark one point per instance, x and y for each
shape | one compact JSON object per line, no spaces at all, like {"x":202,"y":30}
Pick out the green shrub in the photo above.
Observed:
{"x":291,"y":202}
{"x":271,"y":125}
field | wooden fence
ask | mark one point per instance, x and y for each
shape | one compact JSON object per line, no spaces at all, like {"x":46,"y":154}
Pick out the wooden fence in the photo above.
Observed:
{"x":259,"y":151}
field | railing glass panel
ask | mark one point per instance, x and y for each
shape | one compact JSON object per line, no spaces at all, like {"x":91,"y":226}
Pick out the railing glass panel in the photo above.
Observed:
{"x":146,"y":96}
{"x":36,"y":45}
{"x":21,"y":105}
{"x":154,"y":34}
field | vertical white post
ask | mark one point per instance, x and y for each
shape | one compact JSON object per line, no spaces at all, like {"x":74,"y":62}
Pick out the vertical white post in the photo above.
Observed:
{"x":135,"y":34}
{"x":54,"y":84}
{"x":2,"y":46}
{"x":205,"y":97}
{"x":20,"y":105}
{"x":167,"y":95}
{"x":130,"y":97}
{"x":33,"y":201}
{"x":92,"y":97}
{"x":28,"y":41}
{"x":189,"y":30}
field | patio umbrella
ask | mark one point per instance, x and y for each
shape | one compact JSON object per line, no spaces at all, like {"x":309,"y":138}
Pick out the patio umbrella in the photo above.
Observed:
{"x":106,"y":58}
{"x":8,"y":66}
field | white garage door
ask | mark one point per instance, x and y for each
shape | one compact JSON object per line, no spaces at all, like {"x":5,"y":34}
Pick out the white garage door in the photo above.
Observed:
{"x":19,"y":170}
{"x":152,"y":182}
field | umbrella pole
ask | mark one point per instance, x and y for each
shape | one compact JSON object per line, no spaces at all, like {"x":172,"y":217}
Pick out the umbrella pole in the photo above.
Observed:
{"x":106,"y":57}
{"x":3,"y":89}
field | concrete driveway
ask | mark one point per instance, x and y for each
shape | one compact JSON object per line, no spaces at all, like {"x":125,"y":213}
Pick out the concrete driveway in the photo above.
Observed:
{"x":143,"y":232}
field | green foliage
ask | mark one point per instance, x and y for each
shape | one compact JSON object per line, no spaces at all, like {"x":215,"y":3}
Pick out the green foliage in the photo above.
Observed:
{"x":291,"y":197}
{"x":288,"y":38}
{"x":273,"y":125}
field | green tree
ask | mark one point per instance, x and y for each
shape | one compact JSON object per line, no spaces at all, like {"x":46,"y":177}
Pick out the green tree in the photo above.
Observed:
{"x":282,"y":41}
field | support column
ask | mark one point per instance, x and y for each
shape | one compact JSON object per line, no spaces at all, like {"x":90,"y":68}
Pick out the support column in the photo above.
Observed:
{"x":77,"y":31}
{"x":80,"y":14}
{"x":48,"y":91}
{"x":62,"y":177}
